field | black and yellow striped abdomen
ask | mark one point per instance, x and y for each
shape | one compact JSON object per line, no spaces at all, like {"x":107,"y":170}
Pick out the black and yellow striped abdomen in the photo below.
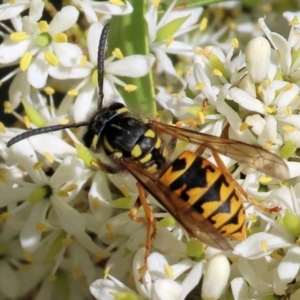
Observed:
{"x":208,"y":192}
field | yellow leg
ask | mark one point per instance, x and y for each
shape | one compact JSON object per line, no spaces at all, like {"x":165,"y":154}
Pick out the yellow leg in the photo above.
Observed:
{"x":148,"y":218}
{"x":239,"y":188}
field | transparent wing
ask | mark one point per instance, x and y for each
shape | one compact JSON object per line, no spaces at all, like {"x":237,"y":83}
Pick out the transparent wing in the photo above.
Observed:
{"x":254,"y":156}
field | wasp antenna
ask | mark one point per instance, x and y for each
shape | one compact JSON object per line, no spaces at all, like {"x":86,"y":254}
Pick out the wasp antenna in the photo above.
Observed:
{"x":42,"y":130}
{"x":101,"y":50}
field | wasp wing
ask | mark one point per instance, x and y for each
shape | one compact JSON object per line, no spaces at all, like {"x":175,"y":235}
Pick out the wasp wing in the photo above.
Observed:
{"x":194,"y":223}
{"x":254,"y":156}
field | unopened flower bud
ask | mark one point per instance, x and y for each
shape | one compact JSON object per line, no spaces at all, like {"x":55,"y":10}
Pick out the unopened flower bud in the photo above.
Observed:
{"x":258,"y":55}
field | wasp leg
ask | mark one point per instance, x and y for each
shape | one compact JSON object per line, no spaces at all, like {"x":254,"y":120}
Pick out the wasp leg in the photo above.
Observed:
{"x":192,"y":123}
{"x":98,"y":164}
{"x":148,"y":218}
{"x":239,"y":188}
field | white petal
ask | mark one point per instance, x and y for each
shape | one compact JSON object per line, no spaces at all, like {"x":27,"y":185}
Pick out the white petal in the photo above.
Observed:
{"x":70,"y":169}
{"x":85,"y":264}
{"x":13,"y":195}
{"x":88,"y":11}
{"x":139,"y":65}
{"x":112,"y":9}
{"x":142,"y":288}
{"x":36,"y":9}
{"x":100,"y":190}
{"x":251,"y":248}
{"x":245,"y":100}
{"x":83,"y":102}
{"x":37,"y":73}
{"x":19,"y":87}
{"x":45,"y":143}
{"x":26,"y":156}
{"x":30,"y":236}
{"x":70,"y":219}
{"x":255,"y":275}
{"x":181,"y":267}
{"x":67,"y":54}
{"x":11,"y":51}
{"x":63,"y":20}
{"x":156,"y":262}
{"x":166,"y":64}
{"x":93,"y":41}
{"x":165,"y":289}
{"x":289,"y":266}
{"x":164,"y":238}
{"x":61,"y":72}
{"x":9,"y":281}
{"x":120,"y":257}
{"x":192,"y":279}
{"x":8,"y":11}
{"x":239,"y":288}
{"x":102,"y":289}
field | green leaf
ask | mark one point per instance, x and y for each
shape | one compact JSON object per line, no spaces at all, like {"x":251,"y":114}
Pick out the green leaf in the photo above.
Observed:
{"x":130,"y":34}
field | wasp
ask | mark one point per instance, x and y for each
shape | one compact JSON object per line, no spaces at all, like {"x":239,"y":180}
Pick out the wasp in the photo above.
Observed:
{"x":201,"y":196}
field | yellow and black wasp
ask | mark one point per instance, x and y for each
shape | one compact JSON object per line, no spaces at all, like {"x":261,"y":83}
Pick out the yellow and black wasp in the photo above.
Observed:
{"x":201,"y":196}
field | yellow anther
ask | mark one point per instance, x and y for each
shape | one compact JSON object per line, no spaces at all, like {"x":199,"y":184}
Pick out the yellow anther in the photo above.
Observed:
{"x":295,"y":21}
{"x":43,"y":26}
{"x":264,"y":246}
{"x":289,"y":128}
{"x":169,"y":40}
{"x":38,"y":165}
{"x":203,"y":24}
{"x":199,"y":86}
{"x":83,"y":60}
{"x":25,"y":61}
{"x":130,"y":88}
{"x":49,"y":157}
{"x":217,"y":72}
{"x":66,"y":241}
{"x":49,"y":90}
{"x":73,"y":92}
{"x":26,"y":122}
{"x":60,"y":38}
{"x":265,"y":179}
{"x":243,"y":126}
{"x":41,"y":227}
{"x":117,"y":53}
{"x":51,"y":58}
{"x":2,"y":127}
{"x":7,"y":107}
{"x":117,"y":2}
{"x":235,"y":43}
{"x":18,"y":36}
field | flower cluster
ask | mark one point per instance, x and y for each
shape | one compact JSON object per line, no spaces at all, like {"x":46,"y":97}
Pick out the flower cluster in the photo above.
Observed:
{"x":66,"y":231}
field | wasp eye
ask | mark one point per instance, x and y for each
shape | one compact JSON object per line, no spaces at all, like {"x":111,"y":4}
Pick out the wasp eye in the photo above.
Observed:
{"x":115,"y":106}
{"x":88,"y":138}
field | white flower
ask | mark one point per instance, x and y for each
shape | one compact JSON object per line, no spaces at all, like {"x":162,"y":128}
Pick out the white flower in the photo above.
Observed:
{"x":162,"y":44}
{"x":138,"y":65}
{"x":160,"y":282}
{"x":107,"y":8}
{"x":42,"y":47}
{"x":12,"y":9}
